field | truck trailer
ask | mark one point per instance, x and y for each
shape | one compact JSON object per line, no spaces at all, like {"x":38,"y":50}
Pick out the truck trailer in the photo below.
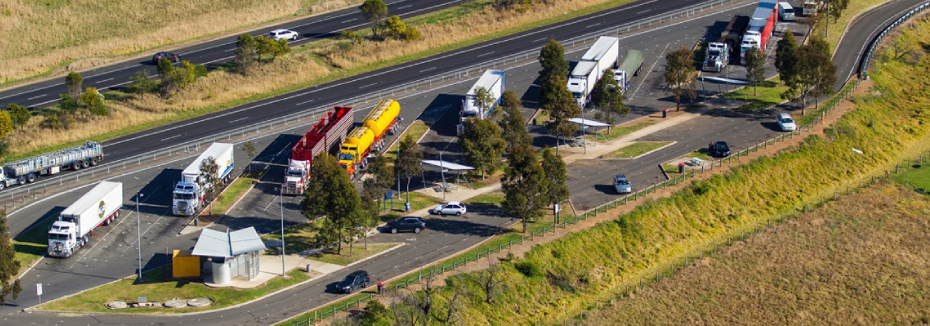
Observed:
{"x":602,"y":55}
{"x":493,"y":82}
{"x":322,"y":137}
{"x":631,"y":66}
{"x":760,"y":29}
{"x":381,"y":121}
{"x":189,"y":193}
{"x":76,"y":224}
{"x":28,"y":169}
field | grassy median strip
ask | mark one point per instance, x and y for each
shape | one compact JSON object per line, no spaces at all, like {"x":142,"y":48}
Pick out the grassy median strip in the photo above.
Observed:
{"x":620,"y":130}
{"x":158,"y":285}
{"x":637,"y":149}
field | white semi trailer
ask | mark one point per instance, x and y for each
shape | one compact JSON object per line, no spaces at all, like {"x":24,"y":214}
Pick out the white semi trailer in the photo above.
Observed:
{"x":493,"y":82}
{"x":189,"y":193}
{"x":602,"y":55}
{"x":76,"y":224}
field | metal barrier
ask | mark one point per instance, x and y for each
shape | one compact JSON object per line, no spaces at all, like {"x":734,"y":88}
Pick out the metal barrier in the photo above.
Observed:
{"x":864,"y":64}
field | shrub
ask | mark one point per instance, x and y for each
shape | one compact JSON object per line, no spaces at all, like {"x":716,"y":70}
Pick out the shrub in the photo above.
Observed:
{"x":528,"y":268}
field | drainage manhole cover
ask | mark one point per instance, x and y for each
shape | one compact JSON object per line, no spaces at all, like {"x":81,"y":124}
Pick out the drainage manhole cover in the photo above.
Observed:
{"x":175,"y":303}
{"x":198,"y":302}
{"x":117,"y":305}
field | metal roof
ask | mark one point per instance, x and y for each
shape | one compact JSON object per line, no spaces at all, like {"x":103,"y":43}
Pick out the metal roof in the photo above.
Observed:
{"x":448,"y":165}
{"x":588,"y":122}
{"x":214,"y":243}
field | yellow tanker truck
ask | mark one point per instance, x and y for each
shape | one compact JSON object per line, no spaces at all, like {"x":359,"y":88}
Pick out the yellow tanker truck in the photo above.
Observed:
{"x":382,"y":120}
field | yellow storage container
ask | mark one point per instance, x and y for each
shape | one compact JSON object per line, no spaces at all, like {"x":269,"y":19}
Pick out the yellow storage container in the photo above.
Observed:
{"x":382,"y":116}
{"x":184,"y":265}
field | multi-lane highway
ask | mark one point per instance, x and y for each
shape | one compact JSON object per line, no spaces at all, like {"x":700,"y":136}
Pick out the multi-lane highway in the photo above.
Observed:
{"x":99,"y":265}
{"x":215,"y":51}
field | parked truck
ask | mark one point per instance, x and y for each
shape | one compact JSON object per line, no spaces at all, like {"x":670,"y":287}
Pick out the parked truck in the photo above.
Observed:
{"x":760,"y":29}
{"x":717,"y":56}
{"x":74,"y":158}
{"x":382,"y":120}
{"x":328,"y":132}
{"x":732,"y":35}
{"x":493,"y":81}
{"x":631,"y":66}
{"x":189,"y":193}
{"x":76,"y":224}
{"x":602,"y":55}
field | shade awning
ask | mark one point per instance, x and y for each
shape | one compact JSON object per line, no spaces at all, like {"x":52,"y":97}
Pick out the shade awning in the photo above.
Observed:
{"x":212,"y":243}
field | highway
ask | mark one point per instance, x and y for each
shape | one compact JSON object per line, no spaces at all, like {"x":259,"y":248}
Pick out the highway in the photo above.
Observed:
{"x":585,"y":183}
{"x":220,"y":50}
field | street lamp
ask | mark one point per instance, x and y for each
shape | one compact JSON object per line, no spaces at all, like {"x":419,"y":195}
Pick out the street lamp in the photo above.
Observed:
{"x":283,"y":252}
{"x":139,"y":233}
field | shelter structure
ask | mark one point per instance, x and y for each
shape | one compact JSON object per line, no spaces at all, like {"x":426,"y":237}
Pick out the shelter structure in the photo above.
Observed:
{"x":445,"y":166}
{"x":234,"y":253}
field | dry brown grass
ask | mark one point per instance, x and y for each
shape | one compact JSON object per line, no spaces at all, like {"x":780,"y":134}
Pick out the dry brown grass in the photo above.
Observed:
{"x":49,"y":37}
{"x":861,"y":260}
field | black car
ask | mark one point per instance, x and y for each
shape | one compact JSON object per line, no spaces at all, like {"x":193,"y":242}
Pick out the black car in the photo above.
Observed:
{"x":718,"y":149}
{"x":166,"y":55}
{"x":356,"y":280}
{"x":411,"y":223}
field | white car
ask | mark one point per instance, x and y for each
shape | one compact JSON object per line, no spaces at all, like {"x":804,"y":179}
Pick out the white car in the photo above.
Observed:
{"x":785,"y":122}
{"x":286,"y":34}
{"x":450,"y":208}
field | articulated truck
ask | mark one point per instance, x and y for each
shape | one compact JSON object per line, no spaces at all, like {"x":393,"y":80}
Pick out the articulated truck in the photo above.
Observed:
{"x":602,"y":55}
{"x":381,"y":121}
{"x":329,"y":131}
{"x":27,"y":170}
{"x":493,"y":82}
{"x":77,"y":223}
{"x":189,"y":193}
{"x":760,"y":29}
{"x":631,"y":66}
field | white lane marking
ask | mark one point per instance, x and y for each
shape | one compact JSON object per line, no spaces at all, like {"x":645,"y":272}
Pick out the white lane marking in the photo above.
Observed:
{"x":35,"y":97}
{"x":105,"y":80}
{"x":428,"y":69}
{"x":230,"y":50}
{"x":540,"y":40}
{"x":484,"y":54}
{"x":643,"y":12}
{"x":304,"y":102}
{"x":175,"y":136}
{"x":404,"y":7}
{"x":350,"y":20}
{"x":595,"y":25}
{"x":369,"y":85}
{"x":237,"y":120}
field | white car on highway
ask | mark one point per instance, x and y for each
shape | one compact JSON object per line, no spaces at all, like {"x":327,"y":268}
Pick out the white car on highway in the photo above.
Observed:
{"x":286,"y":34}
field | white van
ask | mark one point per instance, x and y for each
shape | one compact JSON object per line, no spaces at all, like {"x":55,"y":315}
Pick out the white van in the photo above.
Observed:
{"x":785,"y":11}
{"x":785,"y":122}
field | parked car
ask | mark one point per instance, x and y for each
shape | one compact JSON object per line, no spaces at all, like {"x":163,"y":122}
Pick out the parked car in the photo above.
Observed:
{"x":718,"y":149}
{"x":410,"y":223}
{"x":354,"y":281}
{"x":286,"y":34}
{"x":450,"y":208}
{"x":622,"y":185}
{"x":785,"y":122}
{"x":166,"y":55}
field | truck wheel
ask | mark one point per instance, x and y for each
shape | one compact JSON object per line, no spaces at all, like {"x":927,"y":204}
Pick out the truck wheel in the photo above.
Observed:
{"x":21,"y":180}
{"x":85,"y":163}
{"x":31,"y":177}
{"x":93,"y":161}
{"x":2,"y":185}
{"x":76,"y":166}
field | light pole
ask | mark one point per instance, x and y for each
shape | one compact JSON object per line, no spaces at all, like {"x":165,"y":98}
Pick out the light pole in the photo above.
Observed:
{"x":283,"y":252}
{"x":139,"y":233}
{"x":584,"y":132}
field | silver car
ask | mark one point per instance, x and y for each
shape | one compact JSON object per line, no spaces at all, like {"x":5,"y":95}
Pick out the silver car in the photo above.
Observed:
{"x":450,"y":208}
{"x":622,"y":184}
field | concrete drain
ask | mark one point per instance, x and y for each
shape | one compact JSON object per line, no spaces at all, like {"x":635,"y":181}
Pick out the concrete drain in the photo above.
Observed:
{"x":199,"y":302}
{"x":175,"y":303}
{"x":117,"y":305}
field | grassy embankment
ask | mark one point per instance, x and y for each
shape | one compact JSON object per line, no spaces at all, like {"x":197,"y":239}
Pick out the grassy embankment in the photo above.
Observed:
{"x":77,"y":35}
{"x":859,"y":260}
{"x":311,"y":64}
{"x":158,"y":285}
{"x":557,"y":280}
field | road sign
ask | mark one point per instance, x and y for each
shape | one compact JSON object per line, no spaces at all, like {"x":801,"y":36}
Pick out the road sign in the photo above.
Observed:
{"x":38,"y":288}
{"x":556,"y":208}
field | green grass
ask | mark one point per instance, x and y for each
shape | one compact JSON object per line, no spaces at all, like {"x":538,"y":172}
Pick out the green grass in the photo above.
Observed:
{"x":637,"y":149}
{"x":158,"y":285}
{"x":32,"y":244}
{"x":416,"y":130}
{"x":620,"y":131}
{"x":489,"y":199}
{"x":232,"y":193}
{"x":915,"y":177}
{"x":762,"y":97}
{"x":358,"y":253}
{"x":670,"y":168}
{"x":297,"y":238}
{"x":701,"y":154}
{"x":418,"y":201}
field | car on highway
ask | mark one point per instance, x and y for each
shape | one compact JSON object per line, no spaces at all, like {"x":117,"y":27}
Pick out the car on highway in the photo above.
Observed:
{"x":450,"y":208}
{"x":785,"y":122}
{"x":284,"y":34}
{"x":410,"y":223}
{"x":718,"y":149}
{"x":354,"y":281}
{"x":166,"y":55}
{"x":622,"y":185}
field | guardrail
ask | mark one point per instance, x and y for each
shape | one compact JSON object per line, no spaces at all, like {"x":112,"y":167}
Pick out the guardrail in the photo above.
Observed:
{"x":20,"y":194}
{"x":864,"y":64}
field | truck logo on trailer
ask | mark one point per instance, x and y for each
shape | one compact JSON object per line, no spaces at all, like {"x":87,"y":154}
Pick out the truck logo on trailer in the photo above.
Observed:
{"x":102,"y":208}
